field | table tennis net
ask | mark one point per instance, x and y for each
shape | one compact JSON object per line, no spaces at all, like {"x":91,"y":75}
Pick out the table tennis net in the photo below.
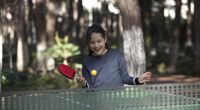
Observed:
{"x":146,"y":97}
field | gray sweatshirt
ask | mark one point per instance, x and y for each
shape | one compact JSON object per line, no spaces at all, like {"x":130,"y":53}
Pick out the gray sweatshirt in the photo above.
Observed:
{"x":111,"y":70}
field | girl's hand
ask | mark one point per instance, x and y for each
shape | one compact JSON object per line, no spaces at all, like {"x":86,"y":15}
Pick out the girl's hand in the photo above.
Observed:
{"x":145,"y":77}
{"x":81,"y":80}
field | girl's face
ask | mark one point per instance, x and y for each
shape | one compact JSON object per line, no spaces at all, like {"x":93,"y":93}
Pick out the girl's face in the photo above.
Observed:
{"x":97,"y":44}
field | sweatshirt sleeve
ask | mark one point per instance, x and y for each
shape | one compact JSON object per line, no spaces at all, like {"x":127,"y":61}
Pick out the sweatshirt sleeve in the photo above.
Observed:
{"x":86,"y":75}
{"x":126,"y":78}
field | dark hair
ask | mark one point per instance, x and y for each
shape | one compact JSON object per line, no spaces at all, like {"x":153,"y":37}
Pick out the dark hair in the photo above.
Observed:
{"x":95,"y":29}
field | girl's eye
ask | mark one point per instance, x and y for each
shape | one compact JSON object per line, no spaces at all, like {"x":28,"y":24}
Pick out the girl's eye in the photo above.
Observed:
{"x":99,"y":41}
{"x":91,"y":42}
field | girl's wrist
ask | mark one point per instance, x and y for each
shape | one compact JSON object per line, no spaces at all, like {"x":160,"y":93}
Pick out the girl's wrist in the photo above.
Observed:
{"x":138,"y":81}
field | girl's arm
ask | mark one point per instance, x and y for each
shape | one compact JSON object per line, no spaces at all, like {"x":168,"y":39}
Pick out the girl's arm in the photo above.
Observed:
{"x":126,"y":78}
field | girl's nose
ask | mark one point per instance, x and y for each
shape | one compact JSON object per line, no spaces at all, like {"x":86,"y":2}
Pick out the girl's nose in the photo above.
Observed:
{"x":96,"y":45}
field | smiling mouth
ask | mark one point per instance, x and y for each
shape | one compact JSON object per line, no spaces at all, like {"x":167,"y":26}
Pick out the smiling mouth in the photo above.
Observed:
{"x":97,"y":49}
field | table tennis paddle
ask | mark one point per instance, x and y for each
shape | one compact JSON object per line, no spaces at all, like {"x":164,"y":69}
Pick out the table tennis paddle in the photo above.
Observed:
{"x":67,"y":71}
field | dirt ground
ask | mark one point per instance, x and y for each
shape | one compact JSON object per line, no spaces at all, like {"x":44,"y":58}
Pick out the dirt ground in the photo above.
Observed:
{"x":174,"y":79}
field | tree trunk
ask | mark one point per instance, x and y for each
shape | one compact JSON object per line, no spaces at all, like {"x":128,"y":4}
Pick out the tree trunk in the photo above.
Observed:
{"x":70,"y":20}
{"x":1,"y":52}
{"x":146,"y":22}
{"x":175,"y":38}
{"x":188,"y":43}
{"x":50,"y":30}
{"x":40,"y":23}
{"x":50,"y":21}
{"x":1,"y":49}
{"x":158,"y":16}
{"x":197,"y":34}
{"x":146,"y":15}
{"x":80,"y":27}
{"x":22,"y":50}
{"x":133,"y":44}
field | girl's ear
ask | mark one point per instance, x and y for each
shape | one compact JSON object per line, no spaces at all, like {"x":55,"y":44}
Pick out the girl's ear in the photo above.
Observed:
{"x":105,"y":38}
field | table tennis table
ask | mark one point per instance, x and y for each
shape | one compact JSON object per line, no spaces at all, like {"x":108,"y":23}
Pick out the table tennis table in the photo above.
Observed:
{"x":144,"y":97}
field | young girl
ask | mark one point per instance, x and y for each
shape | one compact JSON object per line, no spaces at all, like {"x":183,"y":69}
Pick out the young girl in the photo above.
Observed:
{"x":105,"y":67}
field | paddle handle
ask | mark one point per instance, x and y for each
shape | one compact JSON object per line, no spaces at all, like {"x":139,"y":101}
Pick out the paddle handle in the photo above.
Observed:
{"x":75,"y":75}
{"x":76,"y":78}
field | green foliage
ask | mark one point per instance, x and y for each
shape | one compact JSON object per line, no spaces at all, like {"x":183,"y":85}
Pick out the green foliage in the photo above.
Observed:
{"x":185,"y":65}
{"x":62,"y":49}
{"x":158,"y":63}
{"x":18,"y":81}
{"x":161,"y":68}
{"x":11,"y":78}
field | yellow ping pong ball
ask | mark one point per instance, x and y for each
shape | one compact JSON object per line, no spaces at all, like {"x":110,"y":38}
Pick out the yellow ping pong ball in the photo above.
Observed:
{"x":93,"y":72}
